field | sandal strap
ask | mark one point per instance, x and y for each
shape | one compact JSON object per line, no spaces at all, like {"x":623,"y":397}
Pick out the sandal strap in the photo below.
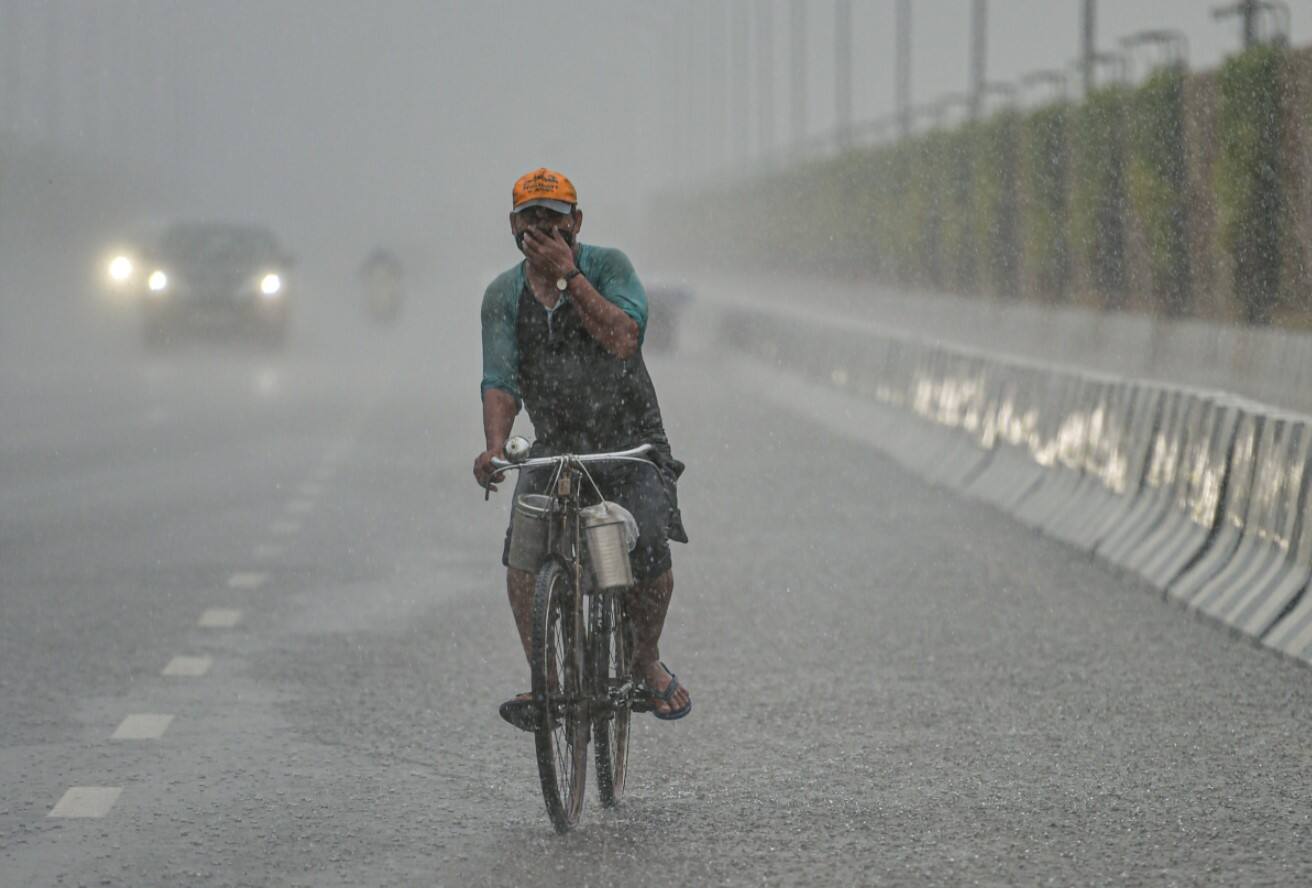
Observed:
{"x":670,"y":689}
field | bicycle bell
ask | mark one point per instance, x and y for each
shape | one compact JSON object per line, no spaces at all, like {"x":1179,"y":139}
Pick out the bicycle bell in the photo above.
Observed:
{"x":517,"y":449}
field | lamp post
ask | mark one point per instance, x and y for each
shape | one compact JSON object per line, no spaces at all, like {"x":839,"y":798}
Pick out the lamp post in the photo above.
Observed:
{"x":797,"y":70}
{"x":1089,"y":43}
{"x":843,"y":71}
{"x":1250,"y":13}
{"x":765,"y":79}
{"x":1113,"y":62}
{"x":1007,"y":92}
{"x":1171,"y":44}
{"x":1052,"y":78}
{"x":903,"y":68}
{"x":944,"y":105}
{"x":978,"y":54}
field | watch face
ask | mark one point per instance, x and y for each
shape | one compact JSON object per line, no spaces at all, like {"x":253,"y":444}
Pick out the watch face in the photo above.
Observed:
{"x":561,"y":283}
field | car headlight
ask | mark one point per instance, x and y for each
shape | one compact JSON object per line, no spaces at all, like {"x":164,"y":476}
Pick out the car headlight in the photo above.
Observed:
{"x":270,"y":286}
{"x":157,"y":281}
{"x":120,"y":269}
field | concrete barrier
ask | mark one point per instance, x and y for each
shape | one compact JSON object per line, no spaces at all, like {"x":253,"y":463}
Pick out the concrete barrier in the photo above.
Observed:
{"x":1155,"y":498}
{"x":1201,"y":506}
{"x":1205,"y":496}
{"x":1287,"y":608}
{"x":1087,"y":496}
{"x":1104,"y":466}
{"x":1254,"y":596}
{"x":1011,"y":472}
{"x":1063,"y":451}
{"x":1257,"y":440}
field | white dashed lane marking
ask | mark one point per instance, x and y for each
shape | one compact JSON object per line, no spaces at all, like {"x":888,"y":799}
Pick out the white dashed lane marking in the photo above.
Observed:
{"x":219,"y":618}
{"x":299,"y":506}
{"x":86,"y":801}
{"x":189,"y":666}
{"x":247,"y":580}
{"x":266,"y":551}
{"x":285,"y":527}
{"x":143,"y":726}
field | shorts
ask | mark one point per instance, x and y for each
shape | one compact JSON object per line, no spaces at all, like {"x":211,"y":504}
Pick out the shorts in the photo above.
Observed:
{"x":645,"y":489}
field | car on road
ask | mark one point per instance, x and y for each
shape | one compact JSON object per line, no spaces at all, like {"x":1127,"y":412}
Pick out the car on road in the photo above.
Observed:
{"x":215,"y":279}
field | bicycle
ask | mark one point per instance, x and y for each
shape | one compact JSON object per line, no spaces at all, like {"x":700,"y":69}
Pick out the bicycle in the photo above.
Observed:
{"x":582,"y":681}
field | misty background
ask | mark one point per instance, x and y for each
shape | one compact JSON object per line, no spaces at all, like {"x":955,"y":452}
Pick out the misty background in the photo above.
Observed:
{"x":347,"y":125}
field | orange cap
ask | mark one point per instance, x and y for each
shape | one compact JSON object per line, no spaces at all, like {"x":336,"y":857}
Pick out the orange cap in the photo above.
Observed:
{"x":545,"y":188}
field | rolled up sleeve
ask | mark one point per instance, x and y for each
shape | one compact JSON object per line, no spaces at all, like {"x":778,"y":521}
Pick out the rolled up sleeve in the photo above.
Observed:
{"x":500,"y":353}
{"x":619,"y":283}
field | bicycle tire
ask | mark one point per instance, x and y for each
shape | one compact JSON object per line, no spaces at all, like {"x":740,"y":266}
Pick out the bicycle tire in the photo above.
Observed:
{"x":563,"y":724}
{"x":612,"y":671}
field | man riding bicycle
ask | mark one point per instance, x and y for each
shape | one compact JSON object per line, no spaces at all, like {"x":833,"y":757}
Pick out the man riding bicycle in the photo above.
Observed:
{"x":562,"y":336}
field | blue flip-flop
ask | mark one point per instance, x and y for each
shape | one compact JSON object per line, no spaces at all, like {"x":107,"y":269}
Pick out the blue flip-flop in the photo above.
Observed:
{"x":666,"y":695}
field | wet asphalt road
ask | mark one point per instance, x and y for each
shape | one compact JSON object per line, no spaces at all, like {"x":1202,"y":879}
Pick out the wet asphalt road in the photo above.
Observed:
{"x":892,"y":686}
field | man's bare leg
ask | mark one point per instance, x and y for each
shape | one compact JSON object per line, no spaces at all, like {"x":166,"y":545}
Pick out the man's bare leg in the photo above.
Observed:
{"x":648,"y":603}
{"x":519,"y":588}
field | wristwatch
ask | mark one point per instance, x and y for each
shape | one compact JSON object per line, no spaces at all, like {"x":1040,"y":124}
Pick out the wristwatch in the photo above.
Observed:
{"x":563,"y":282}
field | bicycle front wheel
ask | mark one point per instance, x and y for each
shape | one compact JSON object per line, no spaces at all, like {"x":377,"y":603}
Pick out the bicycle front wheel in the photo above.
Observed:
{"x":612,"y":679}
{"x":559,"y":694}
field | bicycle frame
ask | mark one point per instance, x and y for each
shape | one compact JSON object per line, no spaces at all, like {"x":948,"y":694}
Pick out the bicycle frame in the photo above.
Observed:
{"x":606,"y":691}
{"x":564,"y":530}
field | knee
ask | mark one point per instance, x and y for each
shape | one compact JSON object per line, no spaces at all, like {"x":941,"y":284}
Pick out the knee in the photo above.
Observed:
{"x":518,"y":582}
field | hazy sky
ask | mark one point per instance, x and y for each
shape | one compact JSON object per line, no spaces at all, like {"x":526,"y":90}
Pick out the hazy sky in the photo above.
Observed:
{"x":407,"y":122}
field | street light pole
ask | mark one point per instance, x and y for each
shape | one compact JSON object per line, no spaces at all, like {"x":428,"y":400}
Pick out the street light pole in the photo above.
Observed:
{"x":1171,"y":43}
{"x":12,"y":105}
{"x":843,"y":70}
{"x":765,"y":78}
{"x":978,"y":55}
{"x":903,"y":72}
{"x":1248,"y":12}
{"x":716,"y":88}
{"x":741,"y":77}
{"x":1089,"y":47}
{"x":53,"y":73}
{"x":695,"y":121}
{"x":797,"y":66}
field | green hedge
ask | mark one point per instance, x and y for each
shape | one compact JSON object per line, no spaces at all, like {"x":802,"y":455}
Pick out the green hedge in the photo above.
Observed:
{"x":1098,"y":192}
{"x":1051,"y":197}
{"x":996,"y":203}
{"x":1158,"y":185}
{"x":957,"y":187}
{"x":1044,"y":223}
{"x":1248,"y":177}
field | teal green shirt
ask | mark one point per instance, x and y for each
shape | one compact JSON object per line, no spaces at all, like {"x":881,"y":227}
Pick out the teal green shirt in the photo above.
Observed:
{"x":607,"y":269}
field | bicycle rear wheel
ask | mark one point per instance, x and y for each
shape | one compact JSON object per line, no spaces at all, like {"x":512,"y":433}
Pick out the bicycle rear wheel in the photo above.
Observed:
{"x":612,"y":682}
{"x":559,"y":695}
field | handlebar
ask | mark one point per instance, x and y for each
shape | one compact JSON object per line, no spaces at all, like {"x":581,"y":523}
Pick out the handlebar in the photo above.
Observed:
{"x":634,"y":453}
